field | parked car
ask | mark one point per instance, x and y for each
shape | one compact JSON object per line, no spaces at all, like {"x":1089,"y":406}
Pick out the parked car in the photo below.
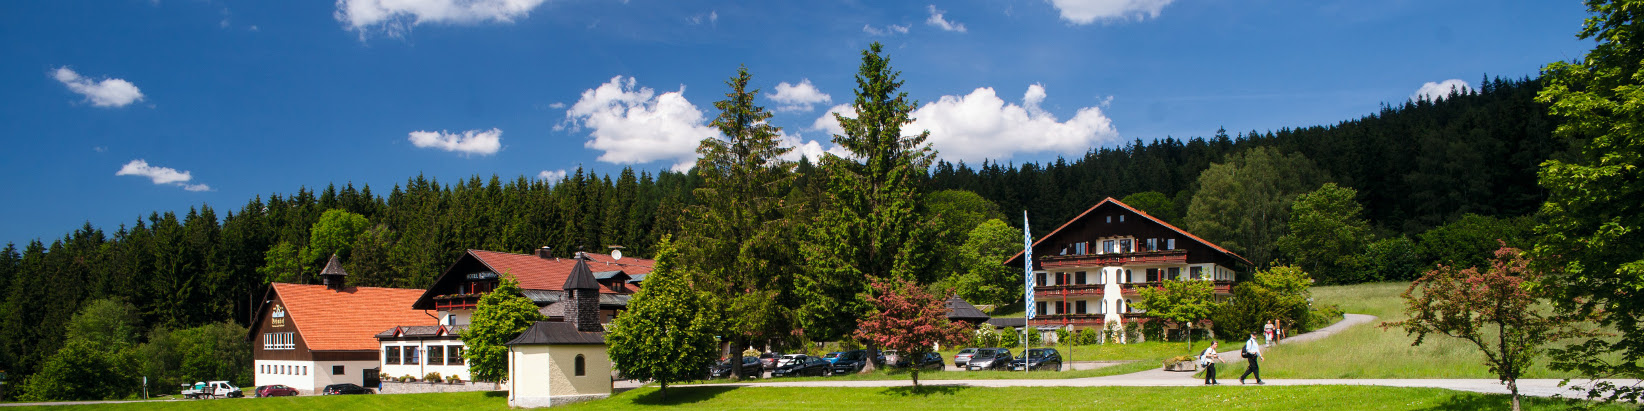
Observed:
{"x":790,"y":358}
{"x":275,"y":390}
{"x":963,"y":357}
{"x":750,"y":365}
{"x":889,"y":357}
{"x":212,"y":389}
{"x":345,"y":388}
{"x":805,"y":366}
{"x":850,"y":362}
{"x":830,"y":357}
{"x":768,"y":360}
{"x":929,"y":361}
{"x":1038,"y":359}
{"x":989,"y":359}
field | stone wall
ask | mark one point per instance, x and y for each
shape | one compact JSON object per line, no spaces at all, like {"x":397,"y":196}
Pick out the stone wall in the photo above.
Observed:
{"x":389,"y":387}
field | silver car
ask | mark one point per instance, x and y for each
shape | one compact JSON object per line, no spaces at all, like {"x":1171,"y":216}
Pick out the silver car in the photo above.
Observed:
{"x":963,"y":357}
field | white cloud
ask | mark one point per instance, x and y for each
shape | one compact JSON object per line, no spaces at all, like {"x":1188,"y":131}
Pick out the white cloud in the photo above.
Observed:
{"x":937,"y":20}
{"x":110,"y":92}
{"x":810,"y":149}
{"x":983,"y":126}
{"x":710,"y":17}
{"x":484,"y":143}
{"x":635,"y":125}
{"x":396,"y":17}
{"x":1089,"y":11}
{"x":828,"y":124}
{"x":161,"y":175}
{"x":888,"y":30}
{"x":1440,"y":90}
{"x":552,"y":177}
{"x":798,"y":97}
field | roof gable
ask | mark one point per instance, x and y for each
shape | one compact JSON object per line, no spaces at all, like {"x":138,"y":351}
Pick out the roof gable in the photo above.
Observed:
{"x":532,"y":272}
{"x":349,"y":319}
{"x":1016,"y":258}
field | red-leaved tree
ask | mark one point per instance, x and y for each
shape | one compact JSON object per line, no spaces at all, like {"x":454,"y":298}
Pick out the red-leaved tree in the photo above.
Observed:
{"x":1491,"y":308}
{"x":910,"y":320}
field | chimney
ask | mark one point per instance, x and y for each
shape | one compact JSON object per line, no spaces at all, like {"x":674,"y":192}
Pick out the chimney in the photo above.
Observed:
{"x":583,"y":296}
{"x":545,"y":253}
{"x":333,"y":274}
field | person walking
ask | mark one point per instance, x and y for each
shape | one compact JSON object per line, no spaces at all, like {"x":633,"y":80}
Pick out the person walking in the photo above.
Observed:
{"x":1267,"y":331}
{"x":1253,"y":353}
{"x":1208,"y":359}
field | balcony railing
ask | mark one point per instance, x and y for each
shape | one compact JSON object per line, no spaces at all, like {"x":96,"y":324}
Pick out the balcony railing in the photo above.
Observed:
{"x":1114,"y":259}
{"x":1220,"y":286}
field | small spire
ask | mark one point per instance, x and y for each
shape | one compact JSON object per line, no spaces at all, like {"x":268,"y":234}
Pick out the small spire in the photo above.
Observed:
{"x":333,"y":267}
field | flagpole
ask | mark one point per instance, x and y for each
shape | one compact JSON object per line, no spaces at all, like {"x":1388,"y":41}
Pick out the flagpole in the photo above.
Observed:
{"x":1027,"y":274}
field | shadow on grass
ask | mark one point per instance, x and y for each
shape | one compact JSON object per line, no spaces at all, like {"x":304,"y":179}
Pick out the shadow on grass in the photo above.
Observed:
{"x":1474,"y":401}
{"x":682,"y":395}
{"x":924,"y":391}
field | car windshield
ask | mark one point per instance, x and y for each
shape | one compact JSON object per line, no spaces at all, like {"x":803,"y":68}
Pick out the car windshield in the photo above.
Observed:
{"x":1039,"y":353}
{"x":832,"y":355}
{"x":968,"y":351}
{"x":984,"y":354}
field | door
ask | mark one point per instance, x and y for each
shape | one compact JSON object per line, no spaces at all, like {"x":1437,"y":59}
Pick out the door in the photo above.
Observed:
{"x":371,"y":379}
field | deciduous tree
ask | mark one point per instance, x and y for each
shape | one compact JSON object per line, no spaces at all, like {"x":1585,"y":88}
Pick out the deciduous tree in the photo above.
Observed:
{"x":1244,"y":203}
{"x":1327,"y":235}
{"x":1182,"y":302}
{"x":984,"y":278}
{"x":909,"y":319}
{"x":667,"y":334}
{"x":1493,"y":308}
{"x":1593,"y":236}
{"x":500,"y":316}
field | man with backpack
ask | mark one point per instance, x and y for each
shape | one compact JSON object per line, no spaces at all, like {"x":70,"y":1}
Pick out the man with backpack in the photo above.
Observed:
{"x":1252,"y":352}
{"x":1208,"y":359}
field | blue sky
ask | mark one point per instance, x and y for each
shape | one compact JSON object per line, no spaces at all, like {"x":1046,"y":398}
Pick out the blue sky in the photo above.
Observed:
{"x":114,"y":109}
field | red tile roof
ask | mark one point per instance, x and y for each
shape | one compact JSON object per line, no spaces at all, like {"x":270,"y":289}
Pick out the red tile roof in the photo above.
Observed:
{"x":350,"y":319}
{"x":537,"y":273}
{"x":1137,"y":211}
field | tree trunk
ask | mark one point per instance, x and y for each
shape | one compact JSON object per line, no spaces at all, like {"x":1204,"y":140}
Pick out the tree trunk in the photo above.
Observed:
{"x":873,"y":354}
{"x":916,"y":376}
{"x":664,"y":390}
{"x":736,"y":360}
{"x":1512,"y":385}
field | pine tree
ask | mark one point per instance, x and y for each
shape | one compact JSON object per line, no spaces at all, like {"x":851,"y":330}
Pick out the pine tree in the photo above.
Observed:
{"x":870,"y":226}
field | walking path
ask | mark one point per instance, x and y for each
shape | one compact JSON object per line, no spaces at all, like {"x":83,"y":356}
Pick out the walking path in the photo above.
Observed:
{"x":1160,"y":378}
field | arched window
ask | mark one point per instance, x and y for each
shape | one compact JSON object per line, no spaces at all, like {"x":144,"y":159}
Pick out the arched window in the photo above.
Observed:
{"x":581,"y":365}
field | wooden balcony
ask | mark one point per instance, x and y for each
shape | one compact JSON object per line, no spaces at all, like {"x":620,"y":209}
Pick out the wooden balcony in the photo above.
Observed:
{"x":1113,"y":259}
{"x":1048,"y":292}
{"x":1081,"y":319}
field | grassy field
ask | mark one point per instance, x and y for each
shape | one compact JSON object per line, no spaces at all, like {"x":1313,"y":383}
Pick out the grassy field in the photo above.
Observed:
{"x":1367,"y":351}
{"x":928,"y":397}
{"x":900,"y":374}
{"x":1123,"y":398}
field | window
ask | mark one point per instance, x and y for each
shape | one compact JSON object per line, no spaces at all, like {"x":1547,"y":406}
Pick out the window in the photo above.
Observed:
{"x":1130,"y":276}
{"x":411,"y":355}
{"x":1170,"y":243}
{"x":1039,"y":307}
{"x":453,"y":355}
{"x":1107,"y":246}
{"x":268,"y":341}
{"x":1110,"y":219}
{"x":1152,"y":244}
{"x":1124,"y":245}
{"x":1175,"y":273}
{"x":391,"y":355}
{"x":1121,"y":218}
{"x":436,"y":355}
{"x":337,"y":370}
{"x":450,"y":319}
{"x":1128,"y":308}
{"x":1152,"y":275}
{"x":1196,"y":272}
{"x":582,"y":366}
{"x":1039,"y":279}
{"x":1079,"y":278}
{"x":1080,"y":308}
{"x":1083,"y":247}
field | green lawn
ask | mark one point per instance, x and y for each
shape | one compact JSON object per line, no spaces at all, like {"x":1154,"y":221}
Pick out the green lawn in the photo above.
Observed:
{"x":900,"y":374}
{"x":927,"y":397}
{"x":1118,"y":398}
{"x":1367,"y":351}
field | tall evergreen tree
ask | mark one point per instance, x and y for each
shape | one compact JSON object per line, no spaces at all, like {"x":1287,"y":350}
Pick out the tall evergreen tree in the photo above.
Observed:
{"x":870,"y":226}
{"x":735,"y":232}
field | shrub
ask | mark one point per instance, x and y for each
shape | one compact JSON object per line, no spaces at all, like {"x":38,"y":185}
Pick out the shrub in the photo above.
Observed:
{"x":383,"y":376}
{"x":1088,"y":336}
{"x":432,"y":377}
{"x":1064,"y":336}
{"x":1322,"y":316}
{"x":1168,"y":362}
{"x":454,"y":379}
{"x":408,"y":378}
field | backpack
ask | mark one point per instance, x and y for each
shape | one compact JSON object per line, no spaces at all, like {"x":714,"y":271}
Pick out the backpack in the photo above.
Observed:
{"x":1244,"y":352}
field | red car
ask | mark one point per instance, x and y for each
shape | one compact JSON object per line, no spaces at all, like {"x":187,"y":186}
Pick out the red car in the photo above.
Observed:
{"x":275,"y":391}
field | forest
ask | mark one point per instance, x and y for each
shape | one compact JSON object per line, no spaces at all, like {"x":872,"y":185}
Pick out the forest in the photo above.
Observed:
{"x":1425,"y":181}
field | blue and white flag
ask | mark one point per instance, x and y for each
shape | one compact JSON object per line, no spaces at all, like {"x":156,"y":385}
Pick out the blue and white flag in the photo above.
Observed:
{"x":1027,"y":264}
